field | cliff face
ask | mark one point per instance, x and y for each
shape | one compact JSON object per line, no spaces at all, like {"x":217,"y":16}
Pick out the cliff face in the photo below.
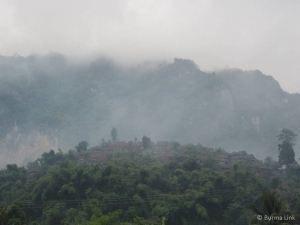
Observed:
{"x":21,"y":148}
{"x":48,"y":103}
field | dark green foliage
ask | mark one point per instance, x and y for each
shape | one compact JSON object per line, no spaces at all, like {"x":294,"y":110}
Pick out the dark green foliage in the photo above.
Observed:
{"x":66,"y":192}
{"x":235,"y":167}
{"x":174,"y":165}
{"x":141,"y":221}
{"x":175,"y":145}
{"x":82,"y":146}
{"x":191,"y":164}
{"x":275,"y":182}
{"x":210,"y":163}
{"x":274,"y":165}
{"x":271,"y":205}
{"x":286,"y":151}
{"x":12,"y":214}
{"x":98,"y":218}
{"x":287,"y":135}
{"x":144,"y":173}
{"x":146,"y":142}
{"x":114,"y":134}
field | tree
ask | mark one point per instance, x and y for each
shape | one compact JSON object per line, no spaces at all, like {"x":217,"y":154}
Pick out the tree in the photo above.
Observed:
{"x":12,"y":214}
{"x":275,"y":182}
{"x":191,"y":164}
{"x":287,"y":135}
{"x":82,"y":146}
{"x":286,"y":151}
{"x":272,"y":205}
{"x":146,"y":142}
{"x":55,"y":214}
{"x":114,"y":134}
{"x":140,"y":222}
{"x":98,"y":218}
{"x":273,"y":164}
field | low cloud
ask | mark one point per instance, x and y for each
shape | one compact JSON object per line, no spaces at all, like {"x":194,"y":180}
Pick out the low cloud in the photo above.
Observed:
{"x":215,"y":34}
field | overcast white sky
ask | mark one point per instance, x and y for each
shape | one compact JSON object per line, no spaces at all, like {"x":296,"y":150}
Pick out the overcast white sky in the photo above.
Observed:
{"x":247,"y":34}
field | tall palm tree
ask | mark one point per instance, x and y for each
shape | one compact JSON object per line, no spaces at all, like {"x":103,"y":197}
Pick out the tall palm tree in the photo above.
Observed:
{"x":272,"y":206}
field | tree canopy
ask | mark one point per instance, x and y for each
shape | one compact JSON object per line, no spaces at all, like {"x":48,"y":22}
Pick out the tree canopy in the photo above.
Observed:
{"x":146,"y":142}
{"x":61,"y":189}
{"x":82,"y":146}
{"x":114,"y":134}
{"x":287,"y":135}
{"x":286,"y":150}
{"x":271,"y":206}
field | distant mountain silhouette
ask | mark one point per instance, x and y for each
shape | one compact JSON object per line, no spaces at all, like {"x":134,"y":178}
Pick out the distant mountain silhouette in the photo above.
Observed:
{"x":48,"y":102}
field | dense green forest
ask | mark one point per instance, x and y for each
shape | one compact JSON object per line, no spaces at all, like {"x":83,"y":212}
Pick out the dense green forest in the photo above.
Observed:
{"x":49,"y":102}
{"x":141,"y":188}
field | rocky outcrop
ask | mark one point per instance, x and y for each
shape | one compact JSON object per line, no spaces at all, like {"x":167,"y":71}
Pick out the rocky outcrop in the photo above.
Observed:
{"x":20,"y":148}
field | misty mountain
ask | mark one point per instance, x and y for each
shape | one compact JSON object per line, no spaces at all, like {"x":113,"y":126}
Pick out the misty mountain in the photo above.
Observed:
{"x":50,"y":102}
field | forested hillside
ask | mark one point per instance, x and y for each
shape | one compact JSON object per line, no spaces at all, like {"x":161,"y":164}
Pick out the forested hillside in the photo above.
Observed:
{"x":62,"y":189}
{"x":50,"y":103}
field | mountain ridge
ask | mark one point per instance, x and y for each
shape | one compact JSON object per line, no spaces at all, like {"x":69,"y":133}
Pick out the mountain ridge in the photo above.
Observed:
{"x":232,"y":108}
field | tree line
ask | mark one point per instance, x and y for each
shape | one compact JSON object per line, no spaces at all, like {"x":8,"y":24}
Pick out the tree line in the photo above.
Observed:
{"x":140,"y":190}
